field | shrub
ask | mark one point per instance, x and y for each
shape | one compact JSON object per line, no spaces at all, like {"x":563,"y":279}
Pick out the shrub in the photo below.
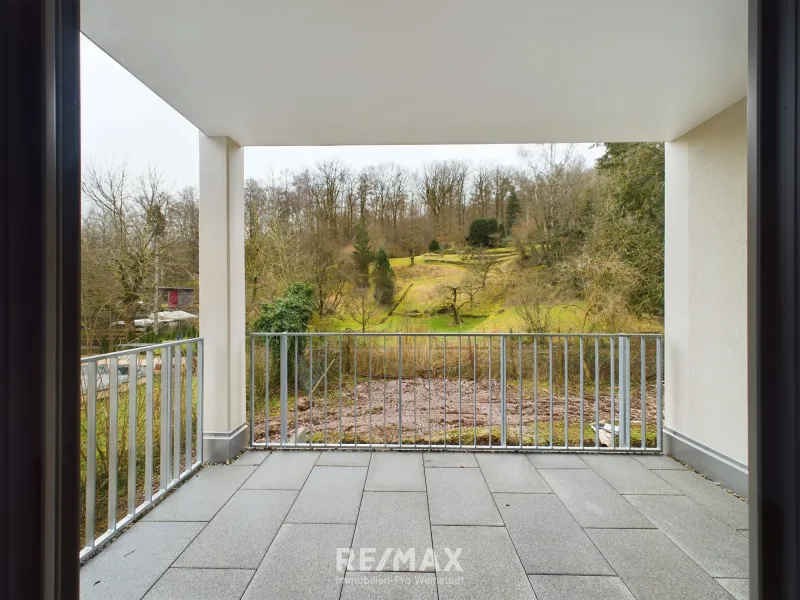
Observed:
{"x":434,"y":245}
{"x":483,"y":232}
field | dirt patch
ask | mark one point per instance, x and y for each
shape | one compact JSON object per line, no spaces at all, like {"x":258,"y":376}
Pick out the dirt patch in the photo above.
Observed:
{"x":436,"y":408}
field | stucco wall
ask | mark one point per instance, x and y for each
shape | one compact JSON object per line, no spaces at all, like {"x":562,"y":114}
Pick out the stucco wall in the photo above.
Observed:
{"x":705,"y":284}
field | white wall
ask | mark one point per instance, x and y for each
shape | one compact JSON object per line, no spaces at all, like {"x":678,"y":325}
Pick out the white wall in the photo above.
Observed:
{"x":706,"y":284}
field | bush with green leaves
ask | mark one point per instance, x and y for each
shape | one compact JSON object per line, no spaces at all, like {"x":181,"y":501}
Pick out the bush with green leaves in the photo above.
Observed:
{"x":383,"y":278}
{"x":434,"y":246}
{"x":290,"y":313}
{"x":483,"y":232}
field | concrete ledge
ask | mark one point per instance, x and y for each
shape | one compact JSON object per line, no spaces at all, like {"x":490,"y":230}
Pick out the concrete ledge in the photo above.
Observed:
{"x":718,"y":467}
{"x":219,"y":447}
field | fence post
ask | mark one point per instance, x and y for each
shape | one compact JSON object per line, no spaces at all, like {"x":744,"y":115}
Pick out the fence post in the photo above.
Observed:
{"x":284,"y":385}
{"x":400,"y":390}
{"x":503,"y":419}
{"x":624,"y":392}
{"x":253,"y":389}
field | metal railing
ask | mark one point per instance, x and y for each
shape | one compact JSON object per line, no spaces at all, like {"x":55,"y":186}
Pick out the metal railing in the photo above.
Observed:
{"x":480,"y":391}
{"x":141,"y":432}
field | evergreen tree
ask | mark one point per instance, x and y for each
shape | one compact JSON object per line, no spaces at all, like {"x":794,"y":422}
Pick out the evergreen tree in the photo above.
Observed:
{"x":383,"y":277}
{"x":362,"y":255}
{"x":512,"y":211}
{"x":434,"y":245}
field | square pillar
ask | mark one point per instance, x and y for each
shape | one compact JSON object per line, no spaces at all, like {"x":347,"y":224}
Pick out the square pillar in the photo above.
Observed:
{"x":222,"y":315}
{"x":705,"y":298}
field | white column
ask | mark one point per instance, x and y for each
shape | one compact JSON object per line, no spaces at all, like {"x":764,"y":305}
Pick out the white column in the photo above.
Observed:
{"x":706,"y":297}
{"x":222,"y":316}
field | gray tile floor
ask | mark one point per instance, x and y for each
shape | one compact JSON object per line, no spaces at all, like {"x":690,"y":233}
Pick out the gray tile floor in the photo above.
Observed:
{"x":543,"y":527}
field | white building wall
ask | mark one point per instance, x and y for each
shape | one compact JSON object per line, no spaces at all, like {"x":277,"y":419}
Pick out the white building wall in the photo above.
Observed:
{"x":706,"y":286}
{"x":222,"y":319}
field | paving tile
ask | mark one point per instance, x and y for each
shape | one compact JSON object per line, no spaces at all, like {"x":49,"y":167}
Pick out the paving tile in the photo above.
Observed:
{"x":202,"y":496}
{"x":301,"y":563}
{"x":710,"y":496}
{"x":449,"y":459}
{"x":511,"y":473}
{"x":344,"y":458}
{"x":592,"y":501}
{"x":460,"y":497}
{"x":651,"y":566}
{"x":251,"y":457}
{"x":394,"y":520}
{"x":127,"y":568}
{"x":389,"y":586}
{"x":201,"y":584}
{"x":658,"y":461}
{"x":238,"y":537}
{"x":745,"y":533}
{"x":557,"y":461}
{"x":547,"y":537}
{"x":574,"y":587}
{"x":491,"y":568}
{"x":712,"y":544}
{"x":738,"y":588}
{"x":284,"y":470}
{"x":627,"y":475}
{"x":396,"y":472}
{"x":330,"y":495}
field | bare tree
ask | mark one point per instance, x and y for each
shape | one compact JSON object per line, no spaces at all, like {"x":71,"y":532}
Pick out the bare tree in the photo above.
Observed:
{"x":361,"y":307}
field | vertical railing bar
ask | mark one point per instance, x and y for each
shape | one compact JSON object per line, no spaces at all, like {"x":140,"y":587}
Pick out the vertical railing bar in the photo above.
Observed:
{"x":583,"y":426}
{"x":503,"y":391}
{"x":444,"y":374}
{"x":113,"y":421}
{"x":325,"y":393}
{"x":148,"y":429}
{"x":566,"y":392}
{"x":296,"y":342}
{"x":133,"y":377}
{"x":460,"y":441}
{"x":489,"y":339}
{"x":550,"y":360}
{"x":310,"y":389}
{"x":642,"y":378}
{"x":91,"y":451}
{"x":385,"y":431}
{"x":355,"y":390}
{"x":176,"y":424}
{"x":284,"y":382}
{"x":474,"y":391}
{"x":535,"y":340}
{"x":612,"y":412}
{"x":369,"y":386}
{"x":400,"y":390}
{"x":252,"y":389}
{"x":430,"y":440}
{"x":267,"y":355}
{"x":341,"y":378}
{"x":659,"y":383}
{"x":166,"y":415}
{"x":200,"y":376}
{"x":519,"y":368}
{"x":189,"y":392}
{"x":414,"y":388}
{"x":597,"y":392}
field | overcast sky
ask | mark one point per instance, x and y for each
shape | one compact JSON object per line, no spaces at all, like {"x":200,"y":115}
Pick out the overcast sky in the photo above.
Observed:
{"x":123,"y":121}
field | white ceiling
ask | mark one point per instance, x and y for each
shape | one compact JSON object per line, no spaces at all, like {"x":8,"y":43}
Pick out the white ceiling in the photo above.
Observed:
{"x":338,"y":72}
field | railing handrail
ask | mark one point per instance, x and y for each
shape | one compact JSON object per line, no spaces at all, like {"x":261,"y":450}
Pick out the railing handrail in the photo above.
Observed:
{"x":140,"y":349}
{"x":448,"y":334}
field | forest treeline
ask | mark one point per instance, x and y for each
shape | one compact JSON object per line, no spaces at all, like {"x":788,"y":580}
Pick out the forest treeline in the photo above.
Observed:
{"x":593,"y":232}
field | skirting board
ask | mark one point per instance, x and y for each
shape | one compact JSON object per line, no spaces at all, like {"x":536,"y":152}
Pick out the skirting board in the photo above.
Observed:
{"x":219,"y":447}
{"x":714,"y":465}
